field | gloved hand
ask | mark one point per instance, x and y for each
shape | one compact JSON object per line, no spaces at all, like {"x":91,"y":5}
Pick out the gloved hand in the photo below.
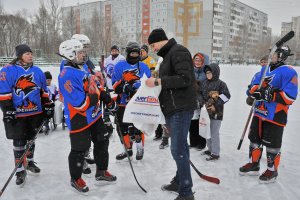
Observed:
{"x":250,"y":100}
{"x":9,"y":115}
{"x":129,"y":89}
{"x":112,"y":107}
{"x":48,"y":110}
{"x":264,"y":94}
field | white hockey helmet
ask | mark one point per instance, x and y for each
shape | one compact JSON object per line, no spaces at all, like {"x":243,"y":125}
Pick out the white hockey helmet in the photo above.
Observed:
{"x":70,"y":48}
{"x":82,"y":38}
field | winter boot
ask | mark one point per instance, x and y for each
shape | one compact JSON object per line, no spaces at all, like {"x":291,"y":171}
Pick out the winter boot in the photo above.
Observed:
{"x":123,"y":155}
{"x":191,"y":197}
{"x":252,"y":168}
{"x":80,"y":186}
{"x":164,"y":143}
{"x":207,"y":152}
{"x":32,"y":167}
{"x":21,"y":178}
{"x":139,"y":148}
{"x":173,"y":187}
{"x":212,"y":157}
{"x":104,"y":176}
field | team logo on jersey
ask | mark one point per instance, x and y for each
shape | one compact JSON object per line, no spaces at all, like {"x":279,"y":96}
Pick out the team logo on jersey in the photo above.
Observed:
{"x":261,"y":109}
{"x":131,"y":75}
{"x":27,"y":106}
{"x":25,"y":84}
{"x":267,"y":81}
{"x":109,"y":70}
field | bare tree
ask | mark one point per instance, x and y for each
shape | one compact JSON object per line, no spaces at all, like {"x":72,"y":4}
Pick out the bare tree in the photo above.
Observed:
{"x":13,"y":32}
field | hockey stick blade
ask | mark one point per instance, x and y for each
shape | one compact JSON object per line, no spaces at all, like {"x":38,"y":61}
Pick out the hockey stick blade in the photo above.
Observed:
{"x":204,"y":177}
{"x":285,"y":38}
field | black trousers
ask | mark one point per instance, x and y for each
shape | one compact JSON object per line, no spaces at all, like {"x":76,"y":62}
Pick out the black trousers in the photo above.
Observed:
{"x":195,"y":139}
{"x":81,"y":142}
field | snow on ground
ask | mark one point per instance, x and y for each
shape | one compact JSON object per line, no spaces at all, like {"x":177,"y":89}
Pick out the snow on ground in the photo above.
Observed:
{"x":158,"y":167}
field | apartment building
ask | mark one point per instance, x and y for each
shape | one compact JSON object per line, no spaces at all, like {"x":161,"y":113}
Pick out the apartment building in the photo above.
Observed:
{"x":222,"y":29}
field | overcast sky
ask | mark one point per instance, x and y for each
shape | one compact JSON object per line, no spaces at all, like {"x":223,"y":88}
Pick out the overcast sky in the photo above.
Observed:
{"x":278,"y":10}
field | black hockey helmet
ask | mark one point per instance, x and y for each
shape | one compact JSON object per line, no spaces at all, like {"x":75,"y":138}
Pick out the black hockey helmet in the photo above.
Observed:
{"x":283,"y":52}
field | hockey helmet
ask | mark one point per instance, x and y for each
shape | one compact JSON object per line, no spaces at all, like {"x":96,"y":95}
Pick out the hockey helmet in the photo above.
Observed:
{"x":283,"y":52}
{"x":82,"y":38}
{"x":70,"y":48}
{"x":132,"y":47}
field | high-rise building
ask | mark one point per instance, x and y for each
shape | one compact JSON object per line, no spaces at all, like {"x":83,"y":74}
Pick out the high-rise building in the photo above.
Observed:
{"x":223,"y":29}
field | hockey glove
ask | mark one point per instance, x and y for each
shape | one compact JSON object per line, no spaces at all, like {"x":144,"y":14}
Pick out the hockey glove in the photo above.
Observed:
{"x":264,"y":94}
{"x":250,"y":100}
{"x":112,"y":107}
{"x":128,"y":89}
{"x":9,"y":115}
{"x":48,"y":110}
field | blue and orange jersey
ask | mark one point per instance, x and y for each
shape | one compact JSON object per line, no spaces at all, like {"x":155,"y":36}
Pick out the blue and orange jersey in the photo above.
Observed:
{"x":81,"y":108}
{"x":285,"y":81}
{"x":127,"y":73}
{"x":23,"y":89}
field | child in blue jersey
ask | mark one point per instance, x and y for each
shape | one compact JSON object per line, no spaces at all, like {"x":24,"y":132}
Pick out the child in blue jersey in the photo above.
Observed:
{"x":126,"y":80}
{"x":279,"y":90}
{"x":25,"y":102}
{"x":82,"y":94}
{"x":263,"y":62}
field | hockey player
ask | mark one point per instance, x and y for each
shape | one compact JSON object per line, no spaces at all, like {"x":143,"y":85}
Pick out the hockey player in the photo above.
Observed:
{"x":279,"y":90}
{"x":126,"y":80}
{"x":82,"y":95}
{"x":25,"y":103}
{"x":145,"y":58}
{"x":110,"y":63}
{"x":263,"y":62}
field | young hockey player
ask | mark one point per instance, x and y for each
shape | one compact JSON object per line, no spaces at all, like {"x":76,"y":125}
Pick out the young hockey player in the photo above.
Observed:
{"x":110,"y":63}
{"x":145,"y":58}
{"x":263,"y":62}
{"x":82,"y":93}
{"x":279,"y":90}
{"x":53,"y":94}
{"x":126,"y":80}
{"x":213,"y":95}
{"x":25,"y":103}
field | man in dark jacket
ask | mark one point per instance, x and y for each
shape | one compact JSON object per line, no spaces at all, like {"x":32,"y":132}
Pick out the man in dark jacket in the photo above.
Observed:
{"x":178,"y":101}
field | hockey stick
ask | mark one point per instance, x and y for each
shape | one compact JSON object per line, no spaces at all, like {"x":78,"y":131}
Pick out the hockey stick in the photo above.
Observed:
{"x":278,"y":44}
{"x":124,"y":145}
{"x":29,"y":144}
{"x":204,"y":177}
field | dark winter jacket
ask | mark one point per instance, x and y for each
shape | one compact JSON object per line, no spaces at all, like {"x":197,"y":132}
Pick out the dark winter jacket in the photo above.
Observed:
{"x":177,"y":79}
{"x":199,"y":74}
{"x":215,"y":84}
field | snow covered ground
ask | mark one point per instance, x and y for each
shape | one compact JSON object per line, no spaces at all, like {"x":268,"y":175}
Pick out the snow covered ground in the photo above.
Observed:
{"x":158,"y":167}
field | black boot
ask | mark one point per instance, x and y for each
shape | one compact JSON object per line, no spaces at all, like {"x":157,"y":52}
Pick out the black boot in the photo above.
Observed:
{"x":172,"y":187}
{"x":21,"y":177}
{"x":33,"y":168}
